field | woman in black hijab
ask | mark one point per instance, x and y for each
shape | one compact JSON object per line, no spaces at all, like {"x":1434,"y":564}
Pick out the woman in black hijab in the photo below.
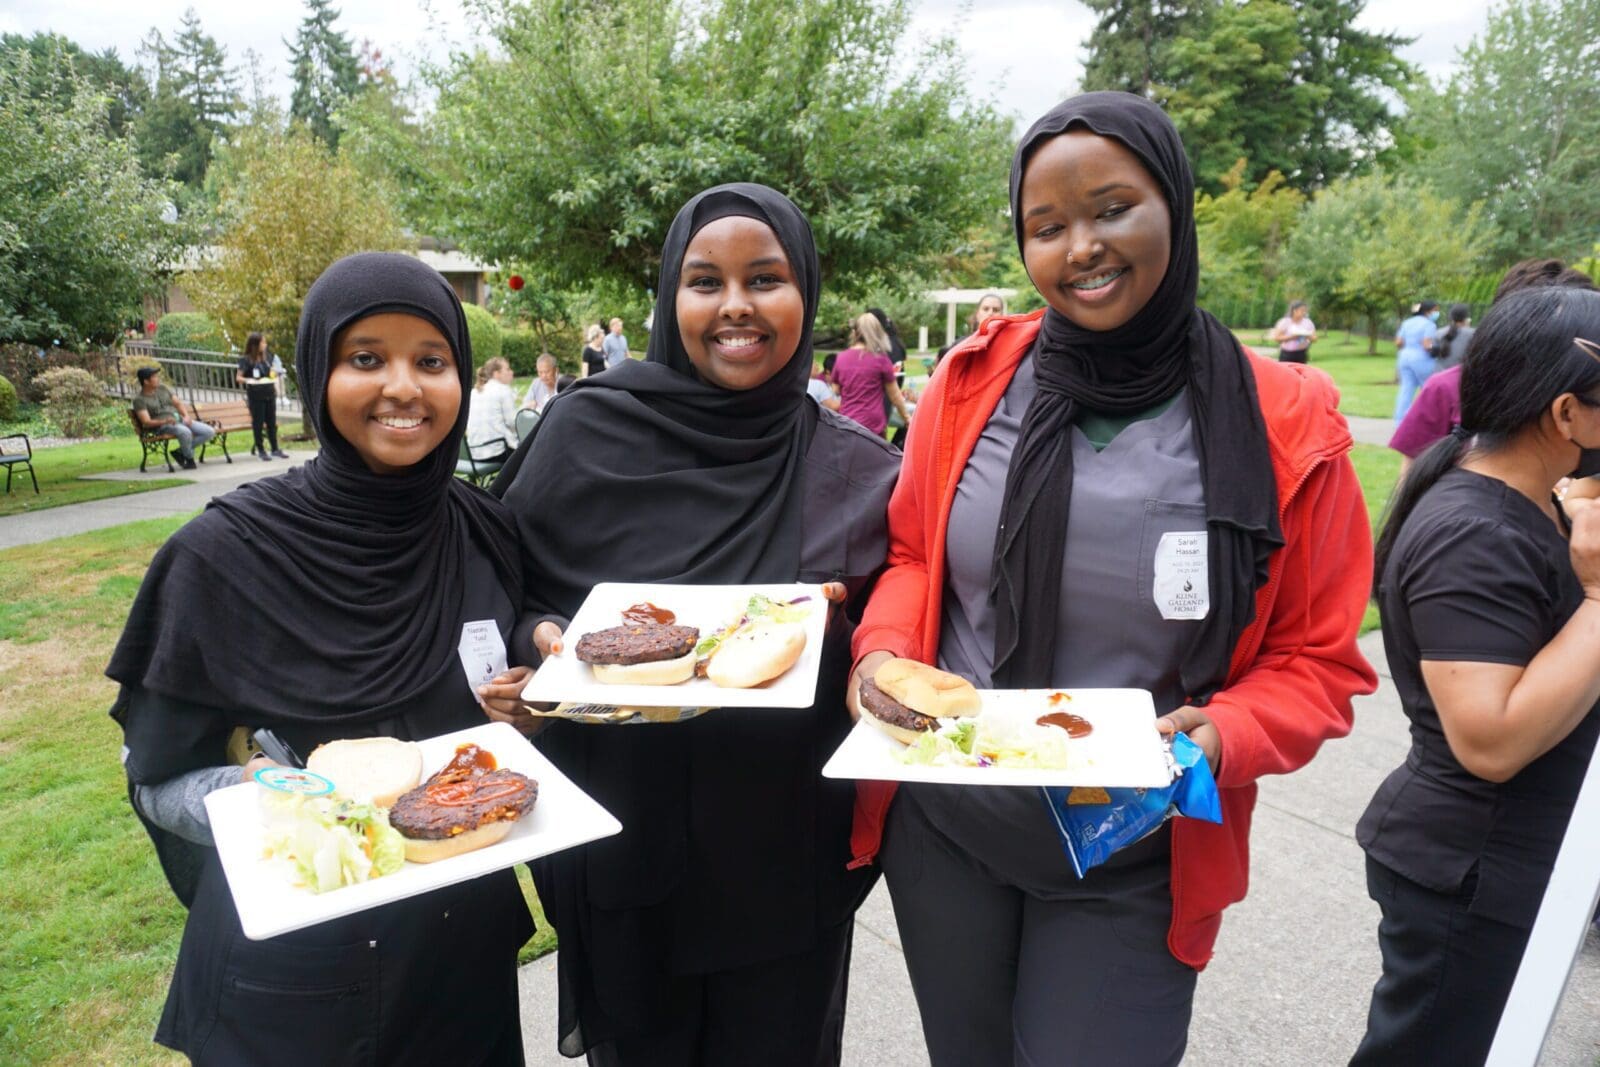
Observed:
{"x":1107,"y":493}
{"x":328,"y":603}
{"x":716,"y":927}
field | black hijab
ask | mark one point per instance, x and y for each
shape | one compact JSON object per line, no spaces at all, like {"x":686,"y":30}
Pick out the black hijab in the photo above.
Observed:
{"x":649,"y":454}
{"x":1167,"y":346}
{"x":329,"y":594}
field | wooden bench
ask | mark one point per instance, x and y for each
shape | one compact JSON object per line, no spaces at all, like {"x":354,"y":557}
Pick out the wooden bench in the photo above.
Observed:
{"x":223,"y":417}
{"x":154,"y":440}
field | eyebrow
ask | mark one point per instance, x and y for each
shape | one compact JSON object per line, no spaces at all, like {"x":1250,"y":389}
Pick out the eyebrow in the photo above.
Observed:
{"x":1043,"y":209}
{"x":429,"y":343}
{"x":764,"y":261}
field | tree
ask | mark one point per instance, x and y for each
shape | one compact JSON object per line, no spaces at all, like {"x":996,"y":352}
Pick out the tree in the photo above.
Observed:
{"x":193,"y":95}
{"x":1291,"y":85}
{"x":1242,"y":233}
{"x":326,"y":71}
{"x":572,"y":149}
{"x":81,"y":233}
{"x":1518,"y":127}
{"x":1127,"y":50}
{"x":1374,"y":245}
{"x":122,"y":86}
{"x":289,"y":208}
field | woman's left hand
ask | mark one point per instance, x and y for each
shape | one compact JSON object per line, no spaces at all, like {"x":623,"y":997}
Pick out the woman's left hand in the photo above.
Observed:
{"x":1197,"y":724}
{"x":502,"y":700}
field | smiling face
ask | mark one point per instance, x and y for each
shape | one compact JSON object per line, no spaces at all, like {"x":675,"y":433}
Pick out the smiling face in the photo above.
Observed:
{"x":740,"y":310}
{"x":1096,"y":231}
{"x":393,"y":389}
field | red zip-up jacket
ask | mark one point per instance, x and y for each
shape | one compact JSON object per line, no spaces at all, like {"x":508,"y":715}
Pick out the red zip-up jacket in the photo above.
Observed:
{"x":1296,"y":666}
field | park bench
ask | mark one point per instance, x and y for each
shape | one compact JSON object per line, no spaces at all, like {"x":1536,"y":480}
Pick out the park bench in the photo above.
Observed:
{"x":223,"y":417}
{"x":155,"y":441}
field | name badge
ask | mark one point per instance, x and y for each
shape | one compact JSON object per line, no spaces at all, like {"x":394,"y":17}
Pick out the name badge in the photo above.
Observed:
{"x":1182,"y":584}
{"x":483,"y":653}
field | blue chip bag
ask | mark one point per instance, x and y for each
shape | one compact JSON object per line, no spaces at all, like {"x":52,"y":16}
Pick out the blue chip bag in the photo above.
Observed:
{"x":1094,"y":823}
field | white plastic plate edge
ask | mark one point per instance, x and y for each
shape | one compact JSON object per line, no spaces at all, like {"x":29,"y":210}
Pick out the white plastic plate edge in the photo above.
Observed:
{"x":563,"y":678}
{"x":269,"y":905}
{"x":1138,"y":759}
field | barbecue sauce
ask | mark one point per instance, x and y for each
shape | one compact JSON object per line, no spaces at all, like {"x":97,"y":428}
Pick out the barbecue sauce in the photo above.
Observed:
{"x":1074,"y":725}
{"x":647,"y":613}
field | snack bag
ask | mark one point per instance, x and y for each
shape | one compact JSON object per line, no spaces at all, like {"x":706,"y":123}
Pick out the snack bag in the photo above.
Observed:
{"x":1094,"y":823}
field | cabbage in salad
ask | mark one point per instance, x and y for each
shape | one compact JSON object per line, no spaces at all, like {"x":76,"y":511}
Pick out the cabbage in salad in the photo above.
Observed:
{"x":997,"y":738}
{"x":329,"y":842}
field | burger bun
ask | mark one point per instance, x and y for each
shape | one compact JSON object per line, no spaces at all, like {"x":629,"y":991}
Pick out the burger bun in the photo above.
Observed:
{"x":657,"y":672}
{"x":374,"y":770}
{"x":928,"y":690}
{"x":899,"y":733}
{"x":430,"y":850}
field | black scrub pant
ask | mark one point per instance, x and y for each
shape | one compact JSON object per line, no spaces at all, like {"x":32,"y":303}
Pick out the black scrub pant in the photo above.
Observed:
{"x":787,"y":1012}
{"x":1302,"y":356}
{"x":263,"y":416}
{"x":1004,"y":977}
{"x":1446,"y":975}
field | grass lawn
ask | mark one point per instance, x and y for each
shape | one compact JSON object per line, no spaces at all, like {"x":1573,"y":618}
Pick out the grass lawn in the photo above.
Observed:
{"x":1377,"y":469}
{"x":1366,"y":383}
{"x":91,"y":929}
{"x":61,"y":472}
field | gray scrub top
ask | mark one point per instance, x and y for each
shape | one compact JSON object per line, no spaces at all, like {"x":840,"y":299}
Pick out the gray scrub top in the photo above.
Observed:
{"x":1133,"y":504}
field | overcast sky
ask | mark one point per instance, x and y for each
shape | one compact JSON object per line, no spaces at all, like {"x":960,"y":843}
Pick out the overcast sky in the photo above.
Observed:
{"x":1022,"y":55}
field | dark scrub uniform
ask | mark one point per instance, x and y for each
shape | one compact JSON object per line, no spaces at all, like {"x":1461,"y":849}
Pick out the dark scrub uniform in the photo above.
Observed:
{"x":1459,"y":864}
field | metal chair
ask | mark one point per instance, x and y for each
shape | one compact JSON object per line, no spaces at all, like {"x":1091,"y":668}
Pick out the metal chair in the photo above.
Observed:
{"x":527,"y":419}
{"x":476,"y":471}
{"x":12,"y":459}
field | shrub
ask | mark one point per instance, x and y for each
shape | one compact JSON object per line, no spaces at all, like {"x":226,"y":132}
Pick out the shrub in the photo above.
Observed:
{"x":190,"y":329}
{"x":8,"y":400}
{"x":521,"y":349}
{"x":72,"y":399}
{"x":485,"y":334}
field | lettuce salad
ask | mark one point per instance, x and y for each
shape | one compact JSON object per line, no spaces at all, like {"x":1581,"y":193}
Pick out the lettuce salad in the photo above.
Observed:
{"x":997,"y":738}
{"x":329,"y":842}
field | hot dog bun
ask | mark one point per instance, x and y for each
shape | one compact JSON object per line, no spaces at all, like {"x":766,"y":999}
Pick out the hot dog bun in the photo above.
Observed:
{"x":756,"y":653}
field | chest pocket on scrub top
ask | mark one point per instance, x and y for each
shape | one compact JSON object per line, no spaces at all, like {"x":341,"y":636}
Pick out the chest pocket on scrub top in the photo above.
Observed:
{"x":1174,"y":562}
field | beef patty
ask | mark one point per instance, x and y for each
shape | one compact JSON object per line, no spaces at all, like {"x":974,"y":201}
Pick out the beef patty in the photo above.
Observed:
{"x":637,"y":643}
{"x":439,"y":809}
{"x":887,"y":709}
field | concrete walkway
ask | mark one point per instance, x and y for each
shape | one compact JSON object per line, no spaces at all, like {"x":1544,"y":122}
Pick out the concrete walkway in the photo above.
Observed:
{"x":1294,"y":965}
{"x":212,"y":478}
{"x":1370,"y":431}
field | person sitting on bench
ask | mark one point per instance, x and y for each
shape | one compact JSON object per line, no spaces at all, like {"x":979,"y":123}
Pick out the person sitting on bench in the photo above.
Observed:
{"x":161,"y":412}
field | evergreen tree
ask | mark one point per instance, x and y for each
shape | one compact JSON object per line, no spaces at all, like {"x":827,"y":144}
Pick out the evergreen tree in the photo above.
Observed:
{"x":1127,"y":50}
{"x":193,"y":94}
{"x":326,"y":71}
{"x":1289,"y":85}
{"x":51,"y":53}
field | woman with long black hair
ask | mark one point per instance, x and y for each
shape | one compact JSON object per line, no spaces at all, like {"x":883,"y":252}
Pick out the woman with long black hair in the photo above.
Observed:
{"x":1491,"y":622}
{"x":261,"y":394}
{"x":715,"y":929}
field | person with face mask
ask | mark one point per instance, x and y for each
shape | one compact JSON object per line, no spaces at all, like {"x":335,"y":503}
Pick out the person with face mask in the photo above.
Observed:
{"x":1490,"y":590}
{"x":1414,"y":363}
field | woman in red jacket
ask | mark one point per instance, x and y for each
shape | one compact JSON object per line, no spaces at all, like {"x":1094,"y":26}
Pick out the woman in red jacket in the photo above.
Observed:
{"x":1062,"y":470}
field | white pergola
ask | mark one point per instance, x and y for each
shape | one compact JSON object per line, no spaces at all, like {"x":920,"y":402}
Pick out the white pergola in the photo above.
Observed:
{"x":953,"y":298}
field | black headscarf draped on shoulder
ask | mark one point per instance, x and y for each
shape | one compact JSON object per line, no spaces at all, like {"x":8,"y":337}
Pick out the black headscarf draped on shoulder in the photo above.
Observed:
{"x":708,"y":477}
{"x":1167,"y":346}
{"x":329,"y":593}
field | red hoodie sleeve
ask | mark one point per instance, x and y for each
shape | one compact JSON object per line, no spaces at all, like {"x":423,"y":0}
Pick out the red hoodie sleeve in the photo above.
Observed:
{"x":1297,"y":688}
{"x":894,"y":615}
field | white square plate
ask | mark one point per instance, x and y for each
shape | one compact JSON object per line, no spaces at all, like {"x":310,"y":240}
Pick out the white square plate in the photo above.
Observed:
{"x":710,"y":607}
{"x":1125,"y":750}
{"x":269,"y":904}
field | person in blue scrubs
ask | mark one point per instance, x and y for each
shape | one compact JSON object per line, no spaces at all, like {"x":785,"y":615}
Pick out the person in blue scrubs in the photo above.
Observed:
{"x":1416,"y":339}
